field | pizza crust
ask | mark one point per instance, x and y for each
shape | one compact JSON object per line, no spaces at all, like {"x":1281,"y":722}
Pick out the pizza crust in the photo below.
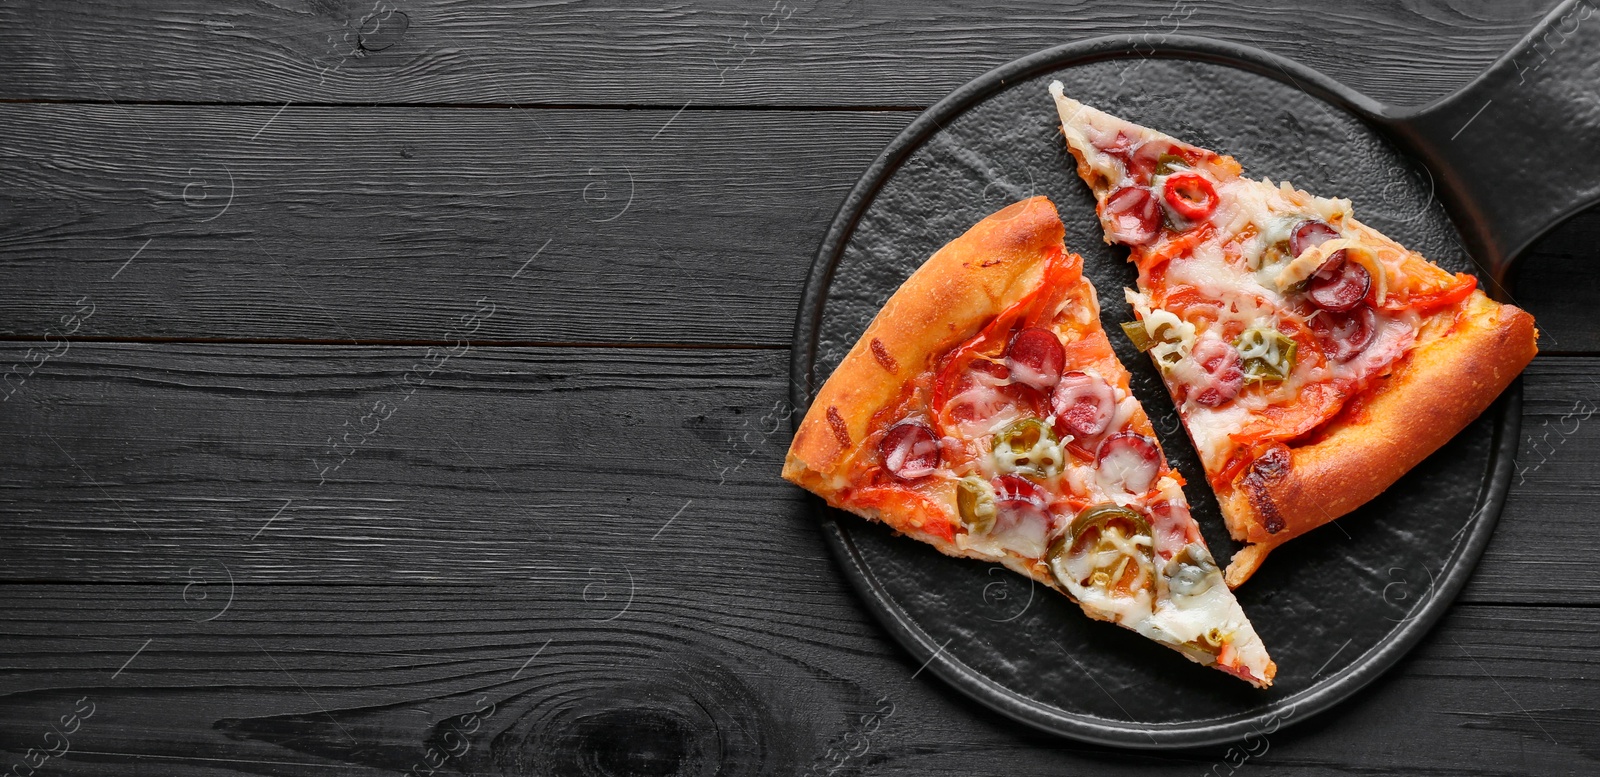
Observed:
{"x":943,"y":304}
{"x":1464,"y":358}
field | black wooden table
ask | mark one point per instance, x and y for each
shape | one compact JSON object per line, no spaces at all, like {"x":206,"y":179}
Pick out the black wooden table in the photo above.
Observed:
{"x":399,"y":386}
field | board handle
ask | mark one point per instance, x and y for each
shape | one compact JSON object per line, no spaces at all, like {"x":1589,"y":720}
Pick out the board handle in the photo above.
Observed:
{"x":1519,"y":147}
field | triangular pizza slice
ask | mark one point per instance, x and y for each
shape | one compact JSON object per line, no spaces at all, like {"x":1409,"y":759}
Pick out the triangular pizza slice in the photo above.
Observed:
{"x":984,"y":413}
{"x":1313,"y":360}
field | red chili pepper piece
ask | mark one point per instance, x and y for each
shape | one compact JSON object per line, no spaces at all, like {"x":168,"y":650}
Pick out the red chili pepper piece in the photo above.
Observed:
{"x":1190,"y":195}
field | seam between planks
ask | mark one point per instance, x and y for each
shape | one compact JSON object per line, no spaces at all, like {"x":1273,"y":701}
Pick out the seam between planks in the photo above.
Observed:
{"x":674,"y":107}
{"x":26,"y":339}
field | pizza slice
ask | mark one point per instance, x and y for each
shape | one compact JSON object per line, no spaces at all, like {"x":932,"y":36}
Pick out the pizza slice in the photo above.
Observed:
{"x":984,"y":413}
{"x":1313,"y":360}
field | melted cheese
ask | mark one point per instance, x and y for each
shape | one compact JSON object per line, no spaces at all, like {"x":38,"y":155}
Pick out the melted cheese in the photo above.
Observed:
{"x":1025,"y":538}
{"x":1125,"y":474}
{"x":1074,"y":122}
{"x":1208,"y":270}
{"x":1211,"y":430}
{"x":1396,"y":334}
{"x":993,"y":411}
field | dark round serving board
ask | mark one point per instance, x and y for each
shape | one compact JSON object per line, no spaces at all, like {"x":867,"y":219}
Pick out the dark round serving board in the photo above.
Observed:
{"x":1336,"y":607}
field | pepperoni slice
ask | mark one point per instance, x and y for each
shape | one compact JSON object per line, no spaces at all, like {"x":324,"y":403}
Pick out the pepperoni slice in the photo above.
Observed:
{"x":1310,"y":234}
{"x":1129,"y":461}
{"x":1145,"y":159}
{"x":1224,"y":371}
{"x":1339,"y":285}
{"x":1118,"y":146}
{"x":1345,"y":335}
{"x":909,"y":450}
{"x":1036,"y":358}
{"x":1173,"y":527}
{"x":1135,"y":216}
{"x":1018,"y":500}
{"x":1082,"y":404}
{"x":1027,"y":399}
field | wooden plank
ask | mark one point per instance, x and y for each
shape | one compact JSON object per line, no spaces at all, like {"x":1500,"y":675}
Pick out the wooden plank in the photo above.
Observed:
{"x":271,"y":463}
{"x":1554,"y":490}
{"x":537,"y":677}
{"x":172,"y":462}
{"x":787,"y":52}
{"x":385,"y":224}
{"x":382,"y":225}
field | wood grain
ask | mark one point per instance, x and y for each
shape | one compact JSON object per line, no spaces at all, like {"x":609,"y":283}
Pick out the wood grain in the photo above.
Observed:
{"x":1554,"y":489}
{"x":542,"y":677}
{"x":786,"y":52}
{"x":167,"y":462}
{"x":383,"y":224}
{"x":505,"y":463}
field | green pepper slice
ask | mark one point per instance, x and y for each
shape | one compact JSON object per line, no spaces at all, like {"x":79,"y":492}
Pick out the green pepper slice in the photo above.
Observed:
{"x":1269,"y":355}
{"x":1195,"y":649}
{"x":1103,"y":515}
{"x":1192,"y":572}
{"x":1087,"y":537}
{"x":1136,"y":332}
{"x":1143,"y":339}
{"x":1169,"y":162}
{"x":975,"y":502}
{"x":1018,"y":448}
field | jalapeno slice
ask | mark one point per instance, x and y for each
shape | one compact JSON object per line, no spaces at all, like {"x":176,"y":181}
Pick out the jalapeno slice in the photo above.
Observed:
{"x":1028,"y":446}
{"x":1098,"y":517}
{"x":975,"y":502}
{"x":1159,"y":331}
{"x":1136,"y":332}
{"x":1191,"y":572}
{"x":1107,"y":550}
{"x":1169,"y":163}
{"x":1269,"y":355}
